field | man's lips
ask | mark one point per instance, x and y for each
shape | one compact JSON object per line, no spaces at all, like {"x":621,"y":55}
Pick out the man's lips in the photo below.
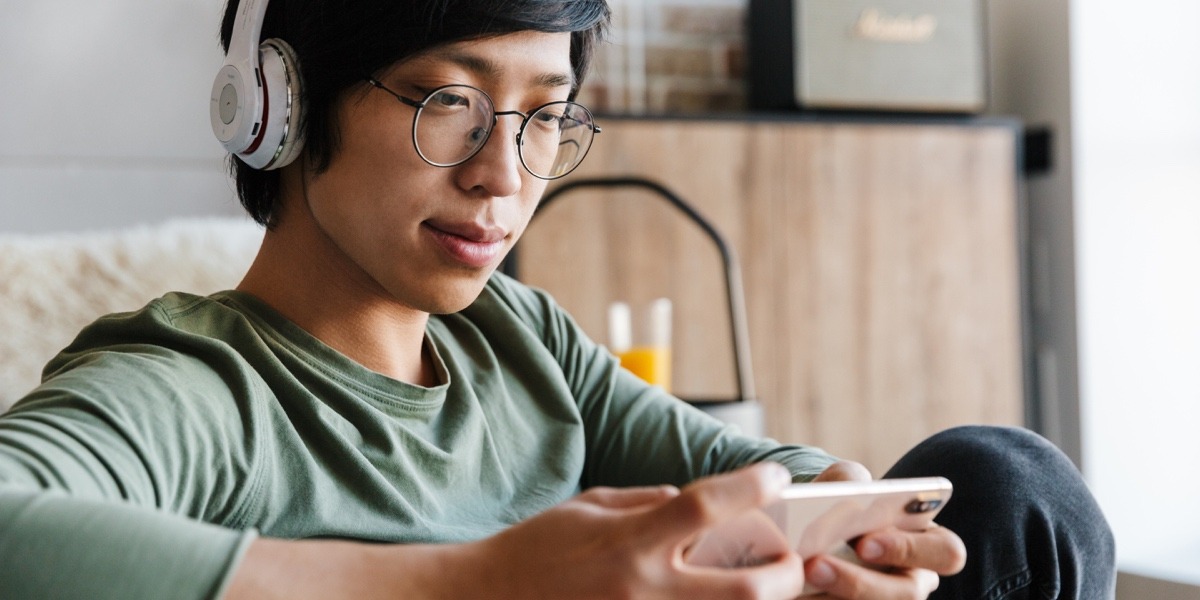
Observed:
{"x":483,"y":234}
{"x":471,"y":244}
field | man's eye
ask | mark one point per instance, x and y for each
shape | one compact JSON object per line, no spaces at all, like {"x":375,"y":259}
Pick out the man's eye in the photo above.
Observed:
{"x":450,"y":99}
{"x":552,"y":119}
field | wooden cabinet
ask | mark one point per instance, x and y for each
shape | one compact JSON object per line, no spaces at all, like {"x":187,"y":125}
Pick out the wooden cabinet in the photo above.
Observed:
{"x":881,"y":267}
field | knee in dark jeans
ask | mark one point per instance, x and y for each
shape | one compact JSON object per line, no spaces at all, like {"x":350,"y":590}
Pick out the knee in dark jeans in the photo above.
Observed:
{"x":1030,"y":523}
{"x":1002,"y":454}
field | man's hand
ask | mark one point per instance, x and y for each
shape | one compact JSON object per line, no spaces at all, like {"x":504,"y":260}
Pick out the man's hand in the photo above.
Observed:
{"x":914,"y":559}
{"x":612,"y":543}
{"x":604,"y":543}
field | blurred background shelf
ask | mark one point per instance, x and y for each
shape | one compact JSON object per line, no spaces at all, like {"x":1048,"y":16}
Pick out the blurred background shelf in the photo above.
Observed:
{"x":881,"y":261}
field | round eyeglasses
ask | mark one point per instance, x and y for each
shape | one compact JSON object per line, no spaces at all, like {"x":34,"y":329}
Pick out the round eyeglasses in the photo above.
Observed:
{"x":453,"y":122}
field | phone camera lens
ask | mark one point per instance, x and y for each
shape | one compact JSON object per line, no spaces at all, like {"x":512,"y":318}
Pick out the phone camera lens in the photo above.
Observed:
{"x":922,"y":506}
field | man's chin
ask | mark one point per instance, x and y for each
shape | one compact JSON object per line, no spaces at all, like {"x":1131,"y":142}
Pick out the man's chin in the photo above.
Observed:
{"x":456,"y":298}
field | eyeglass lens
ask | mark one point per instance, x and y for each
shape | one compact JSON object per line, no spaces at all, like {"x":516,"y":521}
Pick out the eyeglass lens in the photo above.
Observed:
{"x":455,"y":122}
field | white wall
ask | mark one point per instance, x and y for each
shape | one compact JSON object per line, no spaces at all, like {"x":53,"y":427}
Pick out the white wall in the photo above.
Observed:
{"x":1136,"y":77}
{"x":1030,"y":66}
{"x":1115,"y":245}
{"x":104,"y":113}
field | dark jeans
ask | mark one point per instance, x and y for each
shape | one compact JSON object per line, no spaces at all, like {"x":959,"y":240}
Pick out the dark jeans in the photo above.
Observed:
{"x":1031,"y":527}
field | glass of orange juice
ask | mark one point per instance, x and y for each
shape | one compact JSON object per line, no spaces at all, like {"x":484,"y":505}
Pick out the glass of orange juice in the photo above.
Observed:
{"x":643,"y":344}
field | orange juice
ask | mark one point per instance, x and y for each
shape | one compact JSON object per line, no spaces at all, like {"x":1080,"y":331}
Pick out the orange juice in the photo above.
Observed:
{"x":651,"y":363}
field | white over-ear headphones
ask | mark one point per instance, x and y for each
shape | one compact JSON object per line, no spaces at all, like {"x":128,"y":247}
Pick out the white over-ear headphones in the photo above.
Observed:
{"x":256,"y":105}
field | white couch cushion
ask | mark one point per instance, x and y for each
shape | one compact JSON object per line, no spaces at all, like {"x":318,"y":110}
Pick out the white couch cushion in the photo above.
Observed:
{"x":52,"y":285}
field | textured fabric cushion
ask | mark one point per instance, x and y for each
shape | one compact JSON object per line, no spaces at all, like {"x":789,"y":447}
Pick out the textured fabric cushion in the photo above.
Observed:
{"x":52,"y":285}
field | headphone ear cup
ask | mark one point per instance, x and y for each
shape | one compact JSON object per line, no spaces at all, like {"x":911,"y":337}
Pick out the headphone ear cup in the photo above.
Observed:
{"x":293,"y":138}
{"x":235,"y":106}
{"x":279,"y":141}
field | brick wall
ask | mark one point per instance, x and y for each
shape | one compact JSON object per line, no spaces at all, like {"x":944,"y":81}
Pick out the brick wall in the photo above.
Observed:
{"x":670,"y":56}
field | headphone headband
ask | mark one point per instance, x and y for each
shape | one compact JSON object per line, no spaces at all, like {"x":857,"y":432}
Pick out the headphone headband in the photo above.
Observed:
{"x":247,"y":30}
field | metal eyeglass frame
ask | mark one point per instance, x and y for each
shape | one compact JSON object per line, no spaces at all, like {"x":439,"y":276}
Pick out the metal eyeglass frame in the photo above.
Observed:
{"x":420,"y":104}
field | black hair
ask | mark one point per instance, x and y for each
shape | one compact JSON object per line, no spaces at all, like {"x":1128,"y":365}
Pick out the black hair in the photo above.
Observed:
{"x":339,"y":42}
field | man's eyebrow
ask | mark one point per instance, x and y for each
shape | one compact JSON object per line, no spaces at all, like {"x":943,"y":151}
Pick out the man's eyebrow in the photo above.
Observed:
{"x":486,"y":67}
{"x":553,"y":80}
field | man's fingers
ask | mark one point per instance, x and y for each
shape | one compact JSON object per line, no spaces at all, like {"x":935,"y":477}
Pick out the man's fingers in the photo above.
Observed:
{"x":937,"y":549}
{"x":618,"y":498}
{"x":841,"y":579}
{"x":782,"y":579}
{"x":711,"y":500}
{"x":844,"y":470}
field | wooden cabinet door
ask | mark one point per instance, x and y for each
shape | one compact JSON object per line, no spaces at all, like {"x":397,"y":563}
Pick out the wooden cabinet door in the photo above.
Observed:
{"x":880,"y":267}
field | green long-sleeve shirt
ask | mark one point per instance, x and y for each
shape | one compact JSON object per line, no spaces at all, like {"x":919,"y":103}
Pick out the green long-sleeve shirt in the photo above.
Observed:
{"x":161,"y":441}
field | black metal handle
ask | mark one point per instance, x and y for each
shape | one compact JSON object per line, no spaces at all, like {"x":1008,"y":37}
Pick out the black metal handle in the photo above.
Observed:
{"x":733,"y":275}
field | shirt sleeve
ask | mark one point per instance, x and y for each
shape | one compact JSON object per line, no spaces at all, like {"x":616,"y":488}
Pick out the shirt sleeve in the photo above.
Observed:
{"x":56,"y":546}
{"x":108,"y":474}
{"x":80,"y":519}
{"x":639,"y":434}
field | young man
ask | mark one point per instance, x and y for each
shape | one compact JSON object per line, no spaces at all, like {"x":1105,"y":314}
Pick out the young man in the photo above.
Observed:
{"x":374,"y":412}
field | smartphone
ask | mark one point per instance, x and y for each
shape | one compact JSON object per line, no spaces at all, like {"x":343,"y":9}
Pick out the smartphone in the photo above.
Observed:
{"x":821,"y":518}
